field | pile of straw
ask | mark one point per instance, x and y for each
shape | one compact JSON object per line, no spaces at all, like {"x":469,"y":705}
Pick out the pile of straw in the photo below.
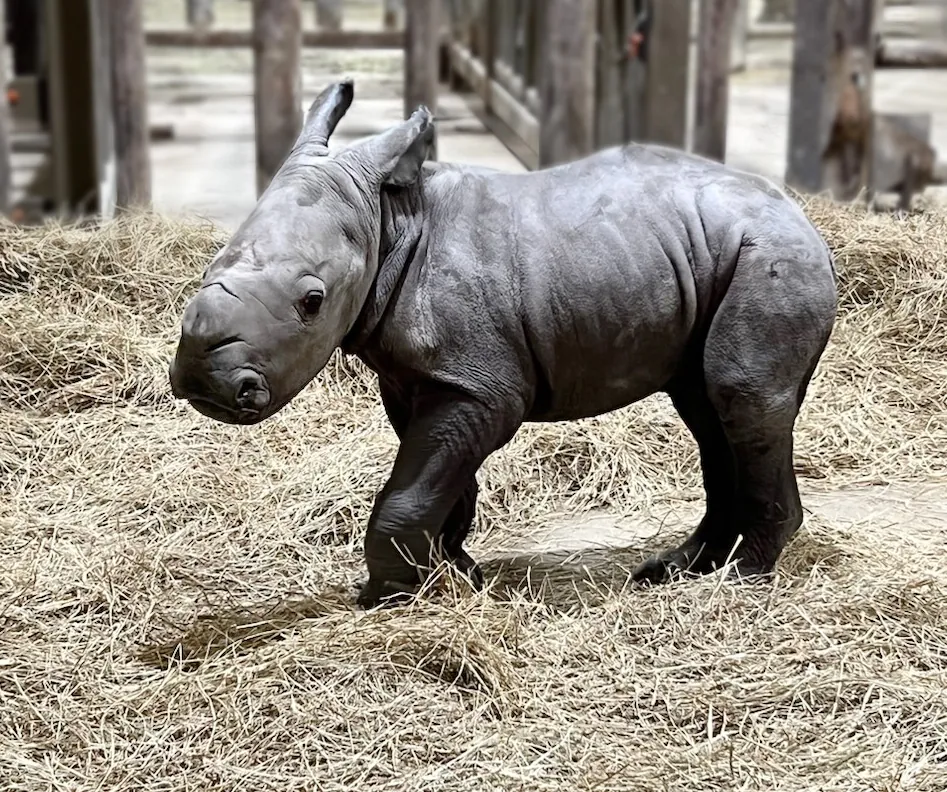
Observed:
{"x":176,"y":595}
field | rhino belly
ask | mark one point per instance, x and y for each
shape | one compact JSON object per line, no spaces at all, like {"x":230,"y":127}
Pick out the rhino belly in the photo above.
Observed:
{"x":608,"y":349}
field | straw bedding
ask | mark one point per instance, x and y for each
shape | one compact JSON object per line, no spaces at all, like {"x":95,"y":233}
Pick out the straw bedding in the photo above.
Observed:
{"x":176,"y":594}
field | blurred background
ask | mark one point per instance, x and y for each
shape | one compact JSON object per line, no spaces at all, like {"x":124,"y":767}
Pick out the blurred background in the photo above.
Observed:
{"x":188,"y":106}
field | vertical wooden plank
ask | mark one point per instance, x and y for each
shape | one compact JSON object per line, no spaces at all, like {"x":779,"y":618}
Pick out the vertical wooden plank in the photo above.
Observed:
{"x":200,"y":14}
{"x":521,"y":9}
{"x":6,"y":163}
{"x":537,"y":42}
{"x":610,"y":119}
{"x":25,"y":17}
{"x":102,"y":103}
{"x":567,"y":90}
{"x":506,"y":33}
{"x":71,"y":120}
{"x":808,"y":108}
{"x":668,"y":56}
{"x":830,"y":96}
{"x":713,"y":78}
{"x":277,"y":99}
{"x":488,"y":43}
{"x":633,"y":74}
{"x":329,"y":14}
{"x":130,"y":104}
{"x":421,"y":45}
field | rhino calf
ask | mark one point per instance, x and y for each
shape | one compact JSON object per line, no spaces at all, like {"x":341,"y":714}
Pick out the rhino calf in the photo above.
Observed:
{"x":484,"y":299}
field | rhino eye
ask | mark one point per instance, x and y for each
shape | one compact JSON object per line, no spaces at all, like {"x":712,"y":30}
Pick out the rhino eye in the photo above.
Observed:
{"x":312,"y":302}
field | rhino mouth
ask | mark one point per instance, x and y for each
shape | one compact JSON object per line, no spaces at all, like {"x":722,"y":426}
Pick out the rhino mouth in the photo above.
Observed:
{"x":228,"y":415}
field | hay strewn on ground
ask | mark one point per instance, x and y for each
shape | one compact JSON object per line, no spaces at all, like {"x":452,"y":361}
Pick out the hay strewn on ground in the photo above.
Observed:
{"x":174,"y":594}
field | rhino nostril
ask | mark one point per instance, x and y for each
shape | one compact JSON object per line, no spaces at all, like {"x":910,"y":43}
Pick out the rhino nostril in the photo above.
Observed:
{"x":252,"y":393}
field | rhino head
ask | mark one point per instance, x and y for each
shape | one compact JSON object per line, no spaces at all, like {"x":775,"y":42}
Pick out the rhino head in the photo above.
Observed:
{"x":290,"y":284}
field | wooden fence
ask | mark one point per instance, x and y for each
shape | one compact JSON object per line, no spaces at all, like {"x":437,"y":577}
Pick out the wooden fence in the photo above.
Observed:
{"x":558,"y":79}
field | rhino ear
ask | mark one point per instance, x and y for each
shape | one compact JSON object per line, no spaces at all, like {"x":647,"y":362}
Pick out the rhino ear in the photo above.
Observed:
{"x":407,"y":166}
{"x":325,"y":113}
{"x":396,"y":156}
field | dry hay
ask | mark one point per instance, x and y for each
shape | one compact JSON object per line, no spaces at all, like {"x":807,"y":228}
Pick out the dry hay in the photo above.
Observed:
{"x":175,"y":595}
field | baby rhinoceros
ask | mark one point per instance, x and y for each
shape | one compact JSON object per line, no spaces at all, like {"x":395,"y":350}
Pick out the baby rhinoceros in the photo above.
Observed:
{"x":484,"y":299}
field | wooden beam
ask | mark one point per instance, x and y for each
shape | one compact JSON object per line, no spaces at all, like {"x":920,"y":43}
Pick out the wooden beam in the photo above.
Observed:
{"x":129,"y":104}
{"x":243,"y":39}
{"x":277,"y":99}
{"x":830,"y":111}
{"x":668,"y":58}
{"x":567,"y":83}
{"x":421,"y":50}
{"x":200,"y":14}
{"x":713,"y":77}
{"x":913,"y":55}
{"x":6,"y":161}
{"x":329,"y":14}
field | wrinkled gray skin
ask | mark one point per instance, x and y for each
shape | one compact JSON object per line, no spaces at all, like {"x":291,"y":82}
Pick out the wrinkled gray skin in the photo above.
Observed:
{"x":485,"y":299}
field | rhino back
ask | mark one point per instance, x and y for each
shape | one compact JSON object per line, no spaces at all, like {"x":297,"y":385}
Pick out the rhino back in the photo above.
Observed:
{"x":581,"y":286}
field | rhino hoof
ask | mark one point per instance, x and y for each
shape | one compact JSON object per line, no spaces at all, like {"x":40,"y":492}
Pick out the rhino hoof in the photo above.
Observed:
{"x":679,"y":561}
{"x":665,"y":566}
{"x":470,"y":569}
{"x":384,"y":593}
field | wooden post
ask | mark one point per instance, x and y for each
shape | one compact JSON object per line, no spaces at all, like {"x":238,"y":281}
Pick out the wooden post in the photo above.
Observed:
{"x":830,"y":115}
{"x":277,"y":98}
{"x":567,"y":83}
{"x":421,"y":47}
{"x":634,"y":73}
{"x":6,"y":164}
{"x":129,"y":104}
{"x":610,"y":116}
{"x":393,"y":11}
{"x":713,"y":78}
{"x":668,"y":56}
{"x":200,"y":14}
{"x":329,"y":14}
{"x":103,"y":114}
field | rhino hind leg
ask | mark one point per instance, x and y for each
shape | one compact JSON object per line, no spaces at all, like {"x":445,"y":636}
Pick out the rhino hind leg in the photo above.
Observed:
{"x":707,"y":545}
{"x":758,"y":358}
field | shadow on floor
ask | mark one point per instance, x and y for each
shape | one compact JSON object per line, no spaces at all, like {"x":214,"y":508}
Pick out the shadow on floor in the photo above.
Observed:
{"x":560,"y":581}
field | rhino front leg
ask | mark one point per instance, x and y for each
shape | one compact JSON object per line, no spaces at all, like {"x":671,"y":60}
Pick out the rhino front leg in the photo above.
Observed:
{"x":457,"y":526}
{"x":456,"y":530}
{"x":444,"y":441}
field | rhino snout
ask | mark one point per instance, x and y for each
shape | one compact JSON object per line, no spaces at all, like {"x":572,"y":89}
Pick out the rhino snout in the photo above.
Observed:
{"x":252,"y":393}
